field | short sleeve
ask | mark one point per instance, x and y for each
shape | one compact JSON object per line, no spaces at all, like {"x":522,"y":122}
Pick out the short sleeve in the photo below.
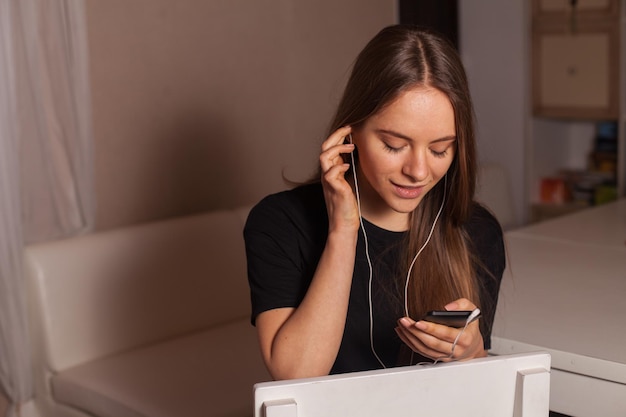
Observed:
{"x":284,"y":235}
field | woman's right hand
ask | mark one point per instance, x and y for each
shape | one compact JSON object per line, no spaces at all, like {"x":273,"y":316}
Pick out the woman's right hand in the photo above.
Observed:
{"x":340,"y":199}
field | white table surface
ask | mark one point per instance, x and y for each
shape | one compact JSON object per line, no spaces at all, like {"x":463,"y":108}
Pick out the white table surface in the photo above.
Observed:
{"x":569,"y":298}
{"x":564,"y":291}
{"x":603,"y":225}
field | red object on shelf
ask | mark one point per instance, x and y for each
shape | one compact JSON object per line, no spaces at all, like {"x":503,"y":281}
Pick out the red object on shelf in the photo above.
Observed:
{"x":553,"y":190}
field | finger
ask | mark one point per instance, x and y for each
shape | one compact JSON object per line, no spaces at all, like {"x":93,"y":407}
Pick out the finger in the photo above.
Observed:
{"x":436,"y":331}
{"x":417,"y":346}
{"x":467,"y":343}
{"x":335,"y":176}
{"x":460,"y":304}
{"x":471,"y":339}
{"x":336,"y":138}
{"x":426,"y":343}
{"x":412,"y":342}
{"x":427,"y":330}
{"x":332,"y":156}
{"x":333,"y":147}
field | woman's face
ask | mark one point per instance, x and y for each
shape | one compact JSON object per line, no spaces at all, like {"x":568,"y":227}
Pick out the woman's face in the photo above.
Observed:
{"x":404,"y":150}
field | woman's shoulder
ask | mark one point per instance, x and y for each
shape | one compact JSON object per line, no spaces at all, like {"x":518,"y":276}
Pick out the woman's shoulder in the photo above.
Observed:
{"x":300,"y":205}
{"x":302,"y":197}
{"x":483,"y":227}
{"x":481,"y":216}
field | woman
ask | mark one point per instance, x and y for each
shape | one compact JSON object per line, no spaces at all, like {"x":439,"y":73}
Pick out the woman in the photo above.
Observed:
{"x":342,"y":269}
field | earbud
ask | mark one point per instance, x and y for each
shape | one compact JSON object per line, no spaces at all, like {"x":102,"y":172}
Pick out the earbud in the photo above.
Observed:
{"x":475,"y":314}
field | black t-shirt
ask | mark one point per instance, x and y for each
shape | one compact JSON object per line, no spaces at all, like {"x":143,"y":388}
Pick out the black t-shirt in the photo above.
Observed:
{"x":285,"y":235}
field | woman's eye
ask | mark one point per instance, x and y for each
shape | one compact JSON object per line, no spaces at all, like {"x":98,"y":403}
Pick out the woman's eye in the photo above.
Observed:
{"x":442,"y":151}
{"x":439,"y":154}
{"x":393,"y":149}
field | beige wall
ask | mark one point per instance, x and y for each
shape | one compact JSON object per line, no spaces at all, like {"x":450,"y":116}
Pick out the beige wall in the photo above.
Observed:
{"x":202,"y":104}
{"x":4,"y":404}
{"x":497,"y":71}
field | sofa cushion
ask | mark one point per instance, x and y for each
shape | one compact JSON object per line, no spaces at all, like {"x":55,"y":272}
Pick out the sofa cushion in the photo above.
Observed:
{"x":209,"y":373}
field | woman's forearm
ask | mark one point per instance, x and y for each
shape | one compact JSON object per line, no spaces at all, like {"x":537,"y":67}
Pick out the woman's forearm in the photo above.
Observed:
{"x":306,"y":340}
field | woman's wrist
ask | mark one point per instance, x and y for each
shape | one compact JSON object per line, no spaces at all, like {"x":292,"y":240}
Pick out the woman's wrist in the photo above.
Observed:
{"x":342,"y":237}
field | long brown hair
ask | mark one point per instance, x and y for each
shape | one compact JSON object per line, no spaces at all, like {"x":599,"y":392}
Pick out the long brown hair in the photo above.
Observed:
{"x":398,"y":58}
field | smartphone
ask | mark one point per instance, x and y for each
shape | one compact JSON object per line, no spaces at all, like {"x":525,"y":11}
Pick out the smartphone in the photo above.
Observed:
{"x":448,"y":318}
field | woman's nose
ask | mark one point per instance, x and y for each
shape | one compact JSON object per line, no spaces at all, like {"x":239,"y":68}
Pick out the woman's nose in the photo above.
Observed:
{"x":415,"y":166}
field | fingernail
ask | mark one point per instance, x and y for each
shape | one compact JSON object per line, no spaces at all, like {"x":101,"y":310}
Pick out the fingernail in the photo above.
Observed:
{"x":405,"y":322}
{"x":421,"y":325}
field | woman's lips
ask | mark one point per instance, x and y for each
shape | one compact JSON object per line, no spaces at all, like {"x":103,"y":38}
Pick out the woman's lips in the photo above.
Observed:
{"x":408,"y":192}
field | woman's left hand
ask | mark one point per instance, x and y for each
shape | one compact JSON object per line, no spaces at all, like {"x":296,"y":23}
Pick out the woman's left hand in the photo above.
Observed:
{"x":435,"y":341}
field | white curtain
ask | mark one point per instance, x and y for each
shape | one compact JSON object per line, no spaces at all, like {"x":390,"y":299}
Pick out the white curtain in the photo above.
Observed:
{"x":46,"y":166}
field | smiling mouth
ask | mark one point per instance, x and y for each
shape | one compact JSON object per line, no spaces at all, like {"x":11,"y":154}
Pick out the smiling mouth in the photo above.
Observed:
{"x":409,"y":192}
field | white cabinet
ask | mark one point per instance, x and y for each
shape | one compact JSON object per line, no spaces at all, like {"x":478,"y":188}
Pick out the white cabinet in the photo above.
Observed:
{"x":577,"y":80}
{"x":575,"y":59}
{"x":576,"y":76}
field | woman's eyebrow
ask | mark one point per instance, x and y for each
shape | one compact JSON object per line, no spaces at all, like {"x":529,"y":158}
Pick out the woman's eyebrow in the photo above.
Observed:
{"x":405,"y":137}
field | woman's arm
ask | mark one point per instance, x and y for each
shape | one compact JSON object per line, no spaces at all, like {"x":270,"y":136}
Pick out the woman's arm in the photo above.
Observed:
{"x":304,"y":341}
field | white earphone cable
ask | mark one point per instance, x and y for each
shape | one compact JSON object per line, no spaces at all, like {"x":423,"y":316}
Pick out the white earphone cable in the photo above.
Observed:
{"x":408,"y":275}
{"x":369,"y":261}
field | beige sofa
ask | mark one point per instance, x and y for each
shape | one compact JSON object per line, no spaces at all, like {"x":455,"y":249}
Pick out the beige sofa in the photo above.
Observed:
{"x":149,"y":320}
